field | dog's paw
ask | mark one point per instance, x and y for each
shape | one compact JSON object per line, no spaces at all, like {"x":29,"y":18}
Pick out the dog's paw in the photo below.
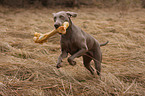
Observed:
{"x":58,"y":65}
{"x":73,"y":63}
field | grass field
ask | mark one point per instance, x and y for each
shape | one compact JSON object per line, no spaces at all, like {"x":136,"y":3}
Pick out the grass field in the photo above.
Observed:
{"x":28,"y":69}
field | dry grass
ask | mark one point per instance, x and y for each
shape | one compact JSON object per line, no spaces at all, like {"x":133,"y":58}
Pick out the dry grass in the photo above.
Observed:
{"x":28,"y":69}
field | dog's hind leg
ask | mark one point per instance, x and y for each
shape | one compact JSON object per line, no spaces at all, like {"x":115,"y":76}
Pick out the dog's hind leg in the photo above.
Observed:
{"x":97,"y":56}
{"x":86,"y":61}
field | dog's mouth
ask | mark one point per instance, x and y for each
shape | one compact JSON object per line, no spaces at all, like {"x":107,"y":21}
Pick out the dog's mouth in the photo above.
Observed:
{"x":57,"y":25}
{"x":60,"y":33}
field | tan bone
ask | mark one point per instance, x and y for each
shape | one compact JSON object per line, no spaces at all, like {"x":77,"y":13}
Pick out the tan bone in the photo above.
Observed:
{"x":41,"y":38}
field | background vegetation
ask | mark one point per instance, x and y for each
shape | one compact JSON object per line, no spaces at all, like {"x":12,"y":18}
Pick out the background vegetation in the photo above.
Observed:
{"x":72,"y":3}
{"x":28,"y":69}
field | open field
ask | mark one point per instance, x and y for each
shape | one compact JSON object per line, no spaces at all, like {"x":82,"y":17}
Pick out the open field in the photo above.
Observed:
{"x":28,"y":69}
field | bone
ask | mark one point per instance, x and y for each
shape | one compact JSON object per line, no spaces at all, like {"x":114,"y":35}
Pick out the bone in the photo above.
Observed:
{"x":41,"y":38}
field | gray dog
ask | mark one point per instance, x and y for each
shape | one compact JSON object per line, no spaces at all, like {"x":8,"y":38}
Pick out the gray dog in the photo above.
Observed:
{"x":77,"y":43}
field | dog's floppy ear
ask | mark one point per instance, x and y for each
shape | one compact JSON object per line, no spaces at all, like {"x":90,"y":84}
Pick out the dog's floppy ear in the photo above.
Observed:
{"x":71,"y":14}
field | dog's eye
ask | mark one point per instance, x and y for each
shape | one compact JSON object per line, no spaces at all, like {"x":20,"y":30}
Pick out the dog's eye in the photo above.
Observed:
{"x":54,"y":19}
{"x":61,"y":17}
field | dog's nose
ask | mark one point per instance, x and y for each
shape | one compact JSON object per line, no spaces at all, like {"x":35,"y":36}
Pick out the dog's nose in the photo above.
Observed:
{"x":56,"y":25}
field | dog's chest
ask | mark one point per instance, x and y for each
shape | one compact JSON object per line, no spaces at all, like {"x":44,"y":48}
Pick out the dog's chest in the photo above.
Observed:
{"x":69,"y":45}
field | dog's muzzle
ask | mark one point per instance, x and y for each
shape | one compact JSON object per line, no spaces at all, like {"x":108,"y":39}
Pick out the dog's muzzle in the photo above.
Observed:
{"x":56,"y":25}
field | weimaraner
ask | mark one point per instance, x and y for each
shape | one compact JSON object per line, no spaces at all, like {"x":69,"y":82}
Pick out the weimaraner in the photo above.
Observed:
{"x":77,"y":43}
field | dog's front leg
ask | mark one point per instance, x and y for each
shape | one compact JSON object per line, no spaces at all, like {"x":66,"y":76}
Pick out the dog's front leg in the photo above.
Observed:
{"x":63,"y":54}
{"x":78,"y":54}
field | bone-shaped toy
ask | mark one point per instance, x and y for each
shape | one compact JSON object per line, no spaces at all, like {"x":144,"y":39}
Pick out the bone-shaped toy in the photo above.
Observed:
{"x":41,"y":38}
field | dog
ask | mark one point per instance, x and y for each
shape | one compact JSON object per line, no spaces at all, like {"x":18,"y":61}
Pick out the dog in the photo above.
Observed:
{"x":77,"y":43}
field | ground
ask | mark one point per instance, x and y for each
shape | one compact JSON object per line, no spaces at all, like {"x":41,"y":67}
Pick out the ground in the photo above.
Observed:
{"x":29,"y":69}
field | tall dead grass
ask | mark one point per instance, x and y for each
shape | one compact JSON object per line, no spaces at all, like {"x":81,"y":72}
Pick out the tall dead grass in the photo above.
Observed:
{"x":29,"y":69}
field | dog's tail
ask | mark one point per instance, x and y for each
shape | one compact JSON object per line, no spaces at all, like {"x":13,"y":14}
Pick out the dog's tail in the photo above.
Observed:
{"x":103,"y":44}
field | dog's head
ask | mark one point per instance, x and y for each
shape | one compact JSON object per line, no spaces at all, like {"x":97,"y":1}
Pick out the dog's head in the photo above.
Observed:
{"x":61,"y":17}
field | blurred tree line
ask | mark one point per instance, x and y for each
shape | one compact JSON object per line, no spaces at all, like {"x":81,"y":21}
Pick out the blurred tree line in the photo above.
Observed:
{"x":71,"y":3}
